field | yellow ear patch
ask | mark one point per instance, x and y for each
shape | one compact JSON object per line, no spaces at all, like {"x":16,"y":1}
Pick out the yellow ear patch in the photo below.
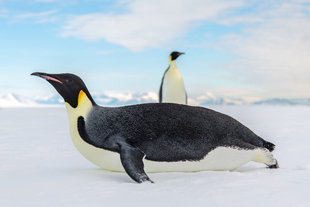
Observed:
{"x":81,"y":95}
{"x":170,"y":57}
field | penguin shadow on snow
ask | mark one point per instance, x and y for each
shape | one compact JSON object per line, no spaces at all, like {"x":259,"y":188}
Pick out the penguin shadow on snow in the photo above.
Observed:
{"x":110,"y":176}
{"x":164,"y":177}
{"x":250,"y":167}
{"x":94,"y":173}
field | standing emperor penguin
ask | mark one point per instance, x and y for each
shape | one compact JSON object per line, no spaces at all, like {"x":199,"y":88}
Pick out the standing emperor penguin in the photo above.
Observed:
{"x":172,"y":89}
{"x":156,"y":137}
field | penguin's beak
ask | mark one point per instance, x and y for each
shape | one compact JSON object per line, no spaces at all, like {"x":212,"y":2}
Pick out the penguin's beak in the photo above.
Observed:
{"x":181,"y":53}
{"x":47,"y":77}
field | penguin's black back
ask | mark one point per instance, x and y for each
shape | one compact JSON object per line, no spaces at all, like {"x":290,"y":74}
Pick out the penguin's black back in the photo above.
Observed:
{"x":168,"y":132}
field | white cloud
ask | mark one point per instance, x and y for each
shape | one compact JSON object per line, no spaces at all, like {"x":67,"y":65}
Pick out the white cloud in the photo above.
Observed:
{"x":59,"y":2}
{"x":4,"y":13}
{"x":37,"y":17}
{"x":46,"y":1}
{"x":147,"y":23}
{"x":275,"y":53}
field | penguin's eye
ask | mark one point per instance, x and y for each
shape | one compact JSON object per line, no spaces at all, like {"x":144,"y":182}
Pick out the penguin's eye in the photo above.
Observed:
{"x":68,"y":81}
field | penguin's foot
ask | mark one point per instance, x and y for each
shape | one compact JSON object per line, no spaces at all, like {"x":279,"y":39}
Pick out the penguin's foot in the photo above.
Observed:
{"x":144,"y":178}
{"x":274,"y":166}
{"x":263,"y":155}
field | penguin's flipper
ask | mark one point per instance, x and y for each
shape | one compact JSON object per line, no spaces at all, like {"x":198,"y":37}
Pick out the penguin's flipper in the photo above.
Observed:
{"x":132,"y":162}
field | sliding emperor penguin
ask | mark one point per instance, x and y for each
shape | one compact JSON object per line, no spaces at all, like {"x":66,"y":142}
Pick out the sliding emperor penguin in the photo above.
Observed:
{"x":156,"y":137}
{"x":172,"y":89}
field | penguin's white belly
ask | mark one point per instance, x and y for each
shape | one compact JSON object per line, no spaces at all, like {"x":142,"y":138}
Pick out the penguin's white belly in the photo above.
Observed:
{"x":173,"y":89}
{"x":221,"y":158}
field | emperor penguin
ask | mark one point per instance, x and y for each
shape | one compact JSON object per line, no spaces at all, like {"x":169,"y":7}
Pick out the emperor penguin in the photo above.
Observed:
{"x":172,"y":89}
{"x":156,"y":137}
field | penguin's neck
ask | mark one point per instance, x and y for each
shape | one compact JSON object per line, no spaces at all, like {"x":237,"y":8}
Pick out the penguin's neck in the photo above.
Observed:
{"x":173,"y":65}
{"x":85,"y":104}
{"x":98,"y":156}
{"x":173,"y":72}
{"x":83,"y":108}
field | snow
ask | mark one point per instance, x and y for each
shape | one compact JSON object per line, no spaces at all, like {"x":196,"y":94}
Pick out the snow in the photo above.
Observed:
{"x":39,"y":166}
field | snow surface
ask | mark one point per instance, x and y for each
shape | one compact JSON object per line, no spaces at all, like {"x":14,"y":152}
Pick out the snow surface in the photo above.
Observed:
{"x":39,"y":166}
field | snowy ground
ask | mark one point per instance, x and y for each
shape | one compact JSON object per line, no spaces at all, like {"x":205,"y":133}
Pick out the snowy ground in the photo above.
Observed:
{"x":39,"y":166}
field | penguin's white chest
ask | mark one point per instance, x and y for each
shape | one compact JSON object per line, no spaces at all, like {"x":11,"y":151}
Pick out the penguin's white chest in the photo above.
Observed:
{"x":173,"y":89}
{"x":98,"y":156}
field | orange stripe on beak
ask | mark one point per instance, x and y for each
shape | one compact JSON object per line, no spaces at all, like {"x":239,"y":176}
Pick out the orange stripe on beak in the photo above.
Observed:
{"x":51,"y":78}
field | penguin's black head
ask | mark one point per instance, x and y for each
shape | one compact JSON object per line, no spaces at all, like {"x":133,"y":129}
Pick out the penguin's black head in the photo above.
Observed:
{"x":67,"y":85}
{"x":174,"y":55}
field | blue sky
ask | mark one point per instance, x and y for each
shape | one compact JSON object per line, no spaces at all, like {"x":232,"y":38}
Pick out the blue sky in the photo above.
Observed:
{"x":234,"y":48}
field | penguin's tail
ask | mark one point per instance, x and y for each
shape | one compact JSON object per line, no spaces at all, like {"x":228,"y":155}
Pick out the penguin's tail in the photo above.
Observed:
{"x":269,"y":145}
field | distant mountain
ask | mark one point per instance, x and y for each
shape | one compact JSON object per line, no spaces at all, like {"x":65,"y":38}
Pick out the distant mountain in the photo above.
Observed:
{"x":53,"y":99}
{"x":283,"y":101}
{"x":106,"y":99}
{"x":126,"y":98}
{"x":208,"y":99}
{"x":13,"y":100}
